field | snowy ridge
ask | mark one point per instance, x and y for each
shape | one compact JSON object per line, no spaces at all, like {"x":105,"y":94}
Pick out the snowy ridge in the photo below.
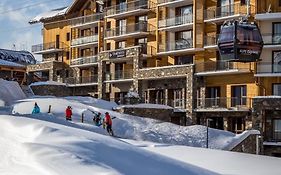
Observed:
{"x":240,"y":138}
{"x":41,"y":83}
{"x":22,"y":57}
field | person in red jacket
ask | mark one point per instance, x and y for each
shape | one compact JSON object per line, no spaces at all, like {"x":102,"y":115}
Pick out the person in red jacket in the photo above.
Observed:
{"x":68,"y":113}
{"x":108,"y":122}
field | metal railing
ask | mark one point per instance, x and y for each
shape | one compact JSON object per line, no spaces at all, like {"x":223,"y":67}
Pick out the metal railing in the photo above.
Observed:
{"x":224,"y":102}
{"x":48,"y":46}
{"x":175,"y":103}
{"x":211,"y":40}
{"x":147,"y":50}
{"x":84,"y":60}
{"x":131,"y":28}
{"x":175,"y":21}
{"x":271,"y":39}
{"x":227,"y":10}
{"x":119,"y":75}
{"x":166,"y":1}
{"x":82,"y":80}
{"x":214,"y":66}
{"x":268,"y":67}
{"x":85,"y":40}
{"x":130,"y":6}
{"x":176,"y":45}
{"x":79,"y":21}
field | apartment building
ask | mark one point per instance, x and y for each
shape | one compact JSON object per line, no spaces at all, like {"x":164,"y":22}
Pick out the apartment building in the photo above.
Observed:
{"x":167,"y":52}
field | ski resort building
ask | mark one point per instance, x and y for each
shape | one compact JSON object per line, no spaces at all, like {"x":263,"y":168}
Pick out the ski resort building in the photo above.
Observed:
{"x":166,"y":51}
{"x":13,"y":64}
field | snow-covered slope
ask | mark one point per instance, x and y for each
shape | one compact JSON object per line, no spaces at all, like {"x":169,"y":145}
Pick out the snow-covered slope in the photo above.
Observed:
{"x":32,"y":147}
{"x":10,"y":91}
{"x":130,"y":127}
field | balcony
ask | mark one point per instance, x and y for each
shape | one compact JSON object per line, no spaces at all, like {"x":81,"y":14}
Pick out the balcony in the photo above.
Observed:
{"x":175,"y":71}
{"x":212,"y":68}
{"x":210,"y":42}
{"x":128,"y":53}
{"x":174,"y":3}
{"x":84,"y":61}
{"x":82,"y":81}
{"x":139,"y":30}
{"x":176,"y":23}
{"x":268,"y":13}
{"x":85,"y":41}
{"x":272,"y":41}
{"x":176,"y":47}
{"x":119,"y":76}
{"x":268,"y":69}
{"x":85,"y":21}
{"x":133,"y":8}
{"x":228,"y":12}
{"x":52,"y":47}
{"x":224,"y":104}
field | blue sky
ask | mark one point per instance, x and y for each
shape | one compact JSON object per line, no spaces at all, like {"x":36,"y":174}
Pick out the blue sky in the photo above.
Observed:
{"x":14,"y":26}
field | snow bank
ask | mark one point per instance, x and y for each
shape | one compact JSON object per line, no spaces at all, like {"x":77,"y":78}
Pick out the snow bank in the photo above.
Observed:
{"x":29,"y":146}
{"x":127,"y":126}
{"x":41,"y":83}
{"x":10,"y":91}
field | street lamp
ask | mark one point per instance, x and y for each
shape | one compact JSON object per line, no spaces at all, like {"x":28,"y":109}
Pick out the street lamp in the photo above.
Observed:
{"x":207,"y":141}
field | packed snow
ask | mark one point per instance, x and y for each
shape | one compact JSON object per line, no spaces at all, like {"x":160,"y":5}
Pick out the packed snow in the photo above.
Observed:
{"x":10,"y":91}
{"x":46,"y":143}
{"x":22,"y":57}
{"x":47,"y":83}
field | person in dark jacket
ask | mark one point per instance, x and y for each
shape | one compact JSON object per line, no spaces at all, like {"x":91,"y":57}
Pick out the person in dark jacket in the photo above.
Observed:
{"x":108,"y":122}
{"x":97,"y":119}
{"x":36,"y":109}
{"x":68,"y":113}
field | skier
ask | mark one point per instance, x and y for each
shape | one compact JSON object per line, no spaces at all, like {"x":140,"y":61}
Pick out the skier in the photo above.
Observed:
{"x":97,"y":119}
{"x":108,"y":122}
{"x":68,"y":113}
{"x":36,"y":109}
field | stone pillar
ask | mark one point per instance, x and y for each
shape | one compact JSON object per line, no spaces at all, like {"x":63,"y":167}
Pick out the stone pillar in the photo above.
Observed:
{"x":225,"y":123}
{"x":101,"y":70}
{"x":136,"y":73}
{"x":166,"y":96}
{"x":189,"y":92}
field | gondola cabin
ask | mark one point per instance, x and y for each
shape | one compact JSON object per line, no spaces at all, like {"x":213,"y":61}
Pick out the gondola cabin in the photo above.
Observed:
{"x":240,"y":41}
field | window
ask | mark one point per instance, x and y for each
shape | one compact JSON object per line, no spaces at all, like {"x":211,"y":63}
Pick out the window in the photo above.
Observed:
{"x":183,"y":40}
{"x":276,"y":88}
{"x":212,"y":96}
{"x":96,"y":30}
{"x":67,"y":55}
{"x":120,"y":45}
{"x":108,"y":46}
{"x":96,"y":50}
{"x":68,"y":36}
{"x":238,"y":95}
{"x":276,"y":33}
{"x":108,"y":25}
{"x":243,"y":2}
{"x":227,"y":7}
{"x":277,"y":129}
{"x":279,"y":3}
{"x":181,"y":60}
{"x":121,"y":27}
{"x":276,"y":61}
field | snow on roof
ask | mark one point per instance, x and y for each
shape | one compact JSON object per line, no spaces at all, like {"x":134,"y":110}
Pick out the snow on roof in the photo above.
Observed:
{"x":10,"y":64}
{"x":51,"y":14}
{"x":273,"y":96}
{"x":41,"y":83}
{"x":22,"y":57}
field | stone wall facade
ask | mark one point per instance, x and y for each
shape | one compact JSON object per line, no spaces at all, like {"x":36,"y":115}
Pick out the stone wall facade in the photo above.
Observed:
{"x":165,"y":115}
{"x":249,"y":145}
{"x":51,"y":90}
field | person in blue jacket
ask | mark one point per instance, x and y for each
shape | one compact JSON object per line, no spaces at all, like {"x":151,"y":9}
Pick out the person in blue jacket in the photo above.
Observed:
{"x":36,"y":109}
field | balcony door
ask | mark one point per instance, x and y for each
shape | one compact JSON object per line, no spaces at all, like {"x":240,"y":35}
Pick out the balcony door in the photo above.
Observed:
{"x":276,"y":66}
{"x":184,"y":15}
{"x":121,"y":6}
{"x":141,"y":23}
{"x":183,"y":40}
{"x":277,"y":129}
{"x":276,"y":88}
{"x":121,"y":27}
{"x":238,"y":95}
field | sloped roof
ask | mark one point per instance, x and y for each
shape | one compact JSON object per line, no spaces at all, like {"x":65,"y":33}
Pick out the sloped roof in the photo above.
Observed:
{"x":10,"y":64}
{"x":20,"y":57}
{"x":48,"y":15}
